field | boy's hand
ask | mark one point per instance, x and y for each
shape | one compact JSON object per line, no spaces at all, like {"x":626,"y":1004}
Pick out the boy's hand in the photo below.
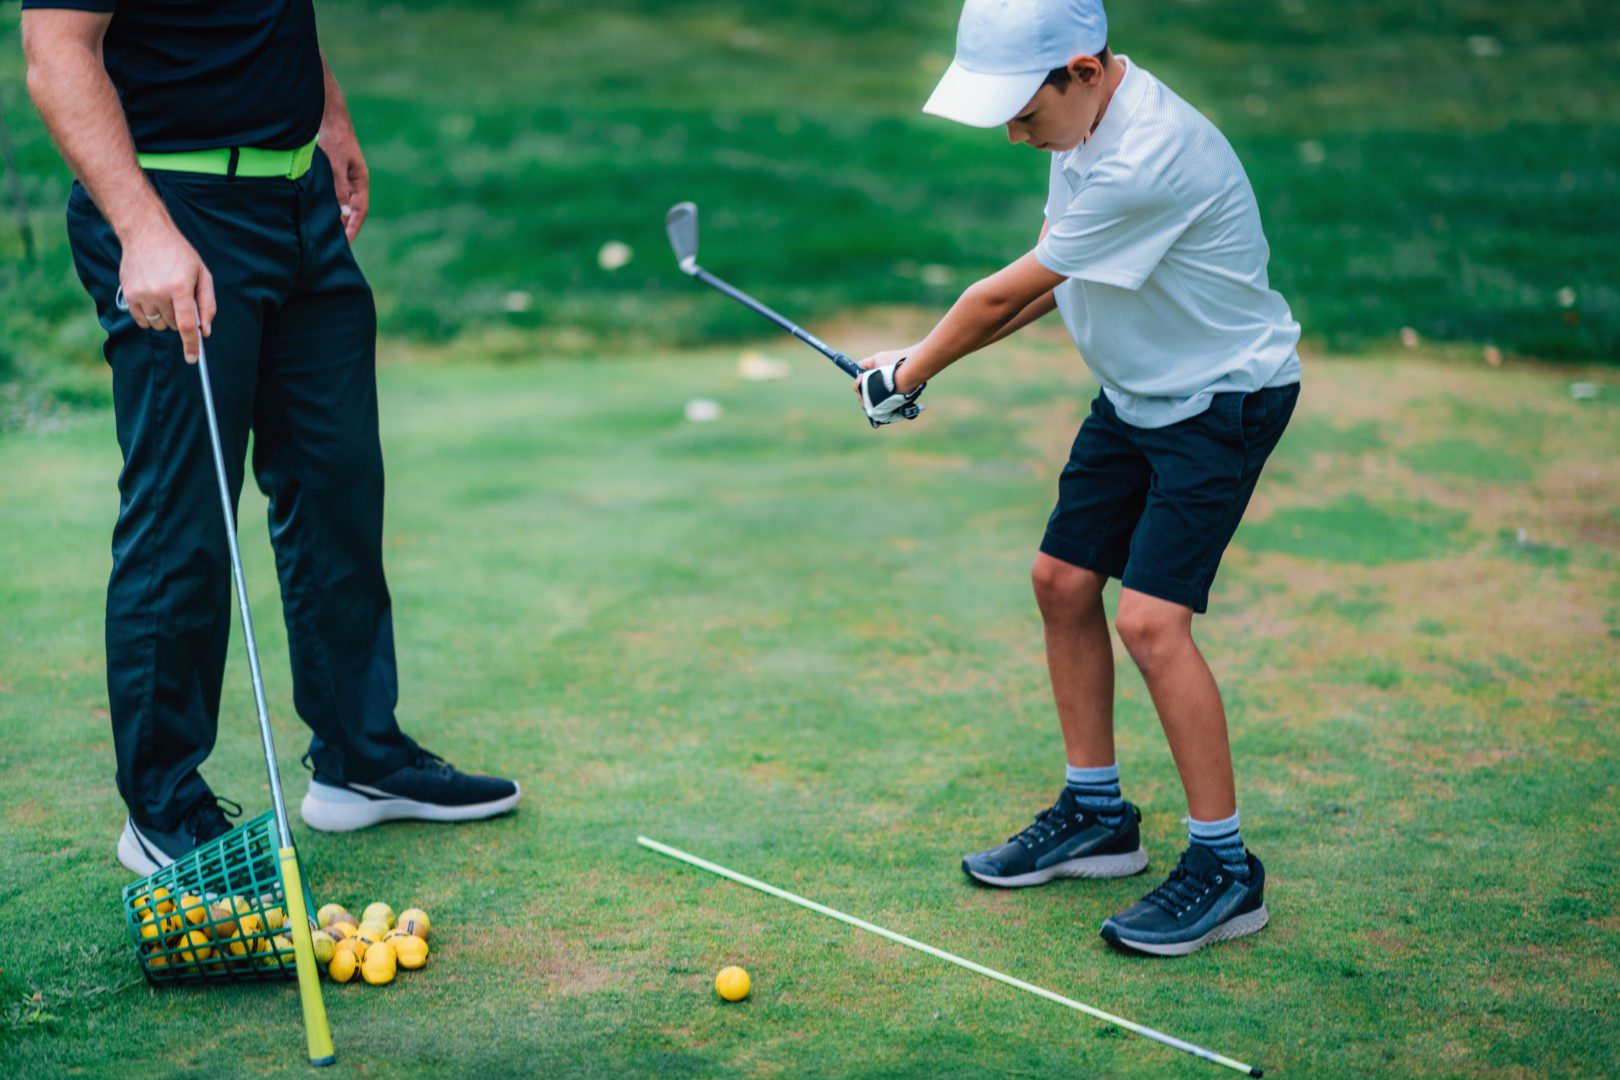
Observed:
{"x":878,"y":389}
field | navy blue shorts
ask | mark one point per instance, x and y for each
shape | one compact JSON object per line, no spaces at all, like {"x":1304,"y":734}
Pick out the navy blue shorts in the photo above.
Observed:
{"x":1156,"y":507}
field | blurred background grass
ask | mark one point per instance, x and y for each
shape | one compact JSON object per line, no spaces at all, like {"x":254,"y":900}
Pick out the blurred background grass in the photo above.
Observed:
{"x":1448,"y":166}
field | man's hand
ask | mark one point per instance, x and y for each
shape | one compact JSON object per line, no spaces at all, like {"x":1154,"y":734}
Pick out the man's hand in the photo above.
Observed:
{"x":353,"y":181}
{"x":352,"y":178}
{"x":166,"y":285}
{"x":879,"y":390}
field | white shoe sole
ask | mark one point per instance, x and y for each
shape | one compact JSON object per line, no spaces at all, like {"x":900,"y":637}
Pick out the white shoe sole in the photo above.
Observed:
{"x":335,"y":809}
{"x":1094,"y":866}
{"x":133,"y":855}
{"x":1241,"y":926}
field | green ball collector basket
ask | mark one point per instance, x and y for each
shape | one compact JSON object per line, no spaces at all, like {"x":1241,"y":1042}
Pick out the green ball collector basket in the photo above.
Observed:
{"x":218,"y":913}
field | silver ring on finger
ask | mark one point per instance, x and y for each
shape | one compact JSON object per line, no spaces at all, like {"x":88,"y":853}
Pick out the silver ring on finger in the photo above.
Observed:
{"x":155,"y":321}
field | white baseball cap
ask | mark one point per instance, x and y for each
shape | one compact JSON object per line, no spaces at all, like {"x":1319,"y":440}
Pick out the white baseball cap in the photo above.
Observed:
{"x":1004,"y":51}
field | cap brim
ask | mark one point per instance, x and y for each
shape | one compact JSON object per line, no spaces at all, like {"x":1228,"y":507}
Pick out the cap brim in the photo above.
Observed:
{"x":980,"y":100}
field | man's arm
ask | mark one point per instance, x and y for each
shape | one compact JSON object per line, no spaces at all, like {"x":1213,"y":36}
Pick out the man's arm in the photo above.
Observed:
{"x":352,"y":179}
{"x":165,"y":283}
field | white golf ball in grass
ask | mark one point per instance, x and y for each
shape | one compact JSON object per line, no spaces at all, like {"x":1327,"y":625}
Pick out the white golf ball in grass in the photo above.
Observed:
{"x":703,"y":410}
{"x":614,"y":255}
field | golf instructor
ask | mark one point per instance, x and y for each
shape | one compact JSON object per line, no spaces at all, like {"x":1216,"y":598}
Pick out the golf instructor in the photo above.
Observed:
{"x":219,"y":185}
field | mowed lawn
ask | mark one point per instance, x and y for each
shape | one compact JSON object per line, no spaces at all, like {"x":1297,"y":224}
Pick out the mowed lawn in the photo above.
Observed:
{"x":1451,"y":167}
{"x":808,"y":651}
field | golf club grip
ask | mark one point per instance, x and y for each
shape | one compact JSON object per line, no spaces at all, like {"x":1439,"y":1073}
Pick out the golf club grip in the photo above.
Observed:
{"x":845,"y":364}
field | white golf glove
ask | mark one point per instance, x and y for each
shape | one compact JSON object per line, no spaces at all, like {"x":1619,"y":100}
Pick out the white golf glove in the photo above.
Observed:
{"x":882,"y":402}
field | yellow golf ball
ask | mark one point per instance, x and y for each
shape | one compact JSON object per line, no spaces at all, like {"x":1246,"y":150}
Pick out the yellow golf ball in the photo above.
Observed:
{"x":343,"y":966}
{"x":379,"y":912}
{"x":732,"y":983}
{"x":379,"y":964}
{"x":414,"y":921}
{"x":410,"y":951}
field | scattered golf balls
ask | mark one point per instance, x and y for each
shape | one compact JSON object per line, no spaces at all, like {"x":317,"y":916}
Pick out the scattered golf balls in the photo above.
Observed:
{"x":732,"y":983}
{"x":374,"y":951}
{"x":703,"y":410}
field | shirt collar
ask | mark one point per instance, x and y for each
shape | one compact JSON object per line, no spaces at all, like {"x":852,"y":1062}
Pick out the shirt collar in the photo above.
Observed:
{"x":1127,"y":96}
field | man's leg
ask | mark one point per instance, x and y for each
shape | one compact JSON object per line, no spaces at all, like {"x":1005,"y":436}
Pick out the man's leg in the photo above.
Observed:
{"x":168,"y":596}
{"x":317,"y":455}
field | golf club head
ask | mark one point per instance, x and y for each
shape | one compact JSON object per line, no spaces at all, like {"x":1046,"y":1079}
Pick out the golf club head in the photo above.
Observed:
{"x":681,"y":223}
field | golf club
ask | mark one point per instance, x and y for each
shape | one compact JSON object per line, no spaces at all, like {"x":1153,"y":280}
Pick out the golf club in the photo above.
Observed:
{"x":681,"y":223}
{"x":316,"y":1029}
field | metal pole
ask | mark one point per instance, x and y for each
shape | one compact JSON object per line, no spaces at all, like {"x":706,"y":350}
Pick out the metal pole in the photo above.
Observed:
{"x":283,"y":829}
{"x":950,"y":958}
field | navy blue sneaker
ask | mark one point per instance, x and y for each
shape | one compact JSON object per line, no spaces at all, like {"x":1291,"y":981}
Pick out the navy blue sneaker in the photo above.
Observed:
{"x":1199,"y":904}
{"x":1065,"y":841}
{"x":146,"y":851}
{"x":428,"y":789}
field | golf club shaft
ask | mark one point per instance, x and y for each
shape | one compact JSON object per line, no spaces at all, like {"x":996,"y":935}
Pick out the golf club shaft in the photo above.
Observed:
{"x":283,"y":829}
{"x":317,"y":1032}
{"x":845,"y":364}
{"x":911,"y":943}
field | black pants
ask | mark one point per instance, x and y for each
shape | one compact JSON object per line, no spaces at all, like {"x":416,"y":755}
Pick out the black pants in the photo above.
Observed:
{"x":293,"y":359}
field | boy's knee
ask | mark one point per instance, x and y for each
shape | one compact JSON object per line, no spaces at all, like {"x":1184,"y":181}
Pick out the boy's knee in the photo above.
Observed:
{"x":1151,"y":632}
{"x":1063,"y":589}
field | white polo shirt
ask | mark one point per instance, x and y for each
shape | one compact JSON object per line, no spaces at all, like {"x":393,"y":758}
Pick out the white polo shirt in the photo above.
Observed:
{"x":1155,"y":225}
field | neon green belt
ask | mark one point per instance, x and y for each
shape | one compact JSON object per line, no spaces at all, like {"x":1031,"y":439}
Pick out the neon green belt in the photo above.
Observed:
{"x":236,"y":161}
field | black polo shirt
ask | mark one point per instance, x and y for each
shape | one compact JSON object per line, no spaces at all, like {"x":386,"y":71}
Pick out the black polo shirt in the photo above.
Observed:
{"x":198,"y":74}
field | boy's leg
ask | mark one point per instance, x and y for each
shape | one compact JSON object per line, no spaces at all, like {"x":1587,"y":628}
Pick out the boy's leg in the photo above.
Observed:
{"x":1158,"y":635}
{"x":1079,"y":658}
{"x":1205,"y":470}
{"x":1090,"y":831}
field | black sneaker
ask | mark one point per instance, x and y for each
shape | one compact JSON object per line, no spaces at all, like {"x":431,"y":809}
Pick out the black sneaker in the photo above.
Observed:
{"x":146,"y":851}
{"x":1065,"y":841}
{"x":1199,"y":904}
{"x":428,"y":789}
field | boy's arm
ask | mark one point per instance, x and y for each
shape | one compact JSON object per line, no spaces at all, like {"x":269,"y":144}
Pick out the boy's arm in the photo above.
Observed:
{"x":161,"y":274}
{"x":1038,"y":308}
{"x":987,"y":311}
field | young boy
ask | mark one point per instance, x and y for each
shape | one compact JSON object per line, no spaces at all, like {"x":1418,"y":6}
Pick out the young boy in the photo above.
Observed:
{"x":1153,"y":253}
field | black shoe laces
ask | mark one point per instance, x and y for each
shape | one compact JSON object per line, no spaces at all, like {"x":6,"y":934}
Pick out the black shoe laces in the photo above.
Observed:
{"x":211,"y":816}
{"x":1043,"y":828}
{"x":1182,"y":890}
{"x":428,"y":761}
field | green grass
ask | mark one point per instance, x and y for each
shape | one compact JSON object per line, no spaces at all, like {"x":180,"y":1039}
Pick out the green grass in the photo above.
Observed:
{"x":732,"y":638}
{"x":1446,"y":167}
